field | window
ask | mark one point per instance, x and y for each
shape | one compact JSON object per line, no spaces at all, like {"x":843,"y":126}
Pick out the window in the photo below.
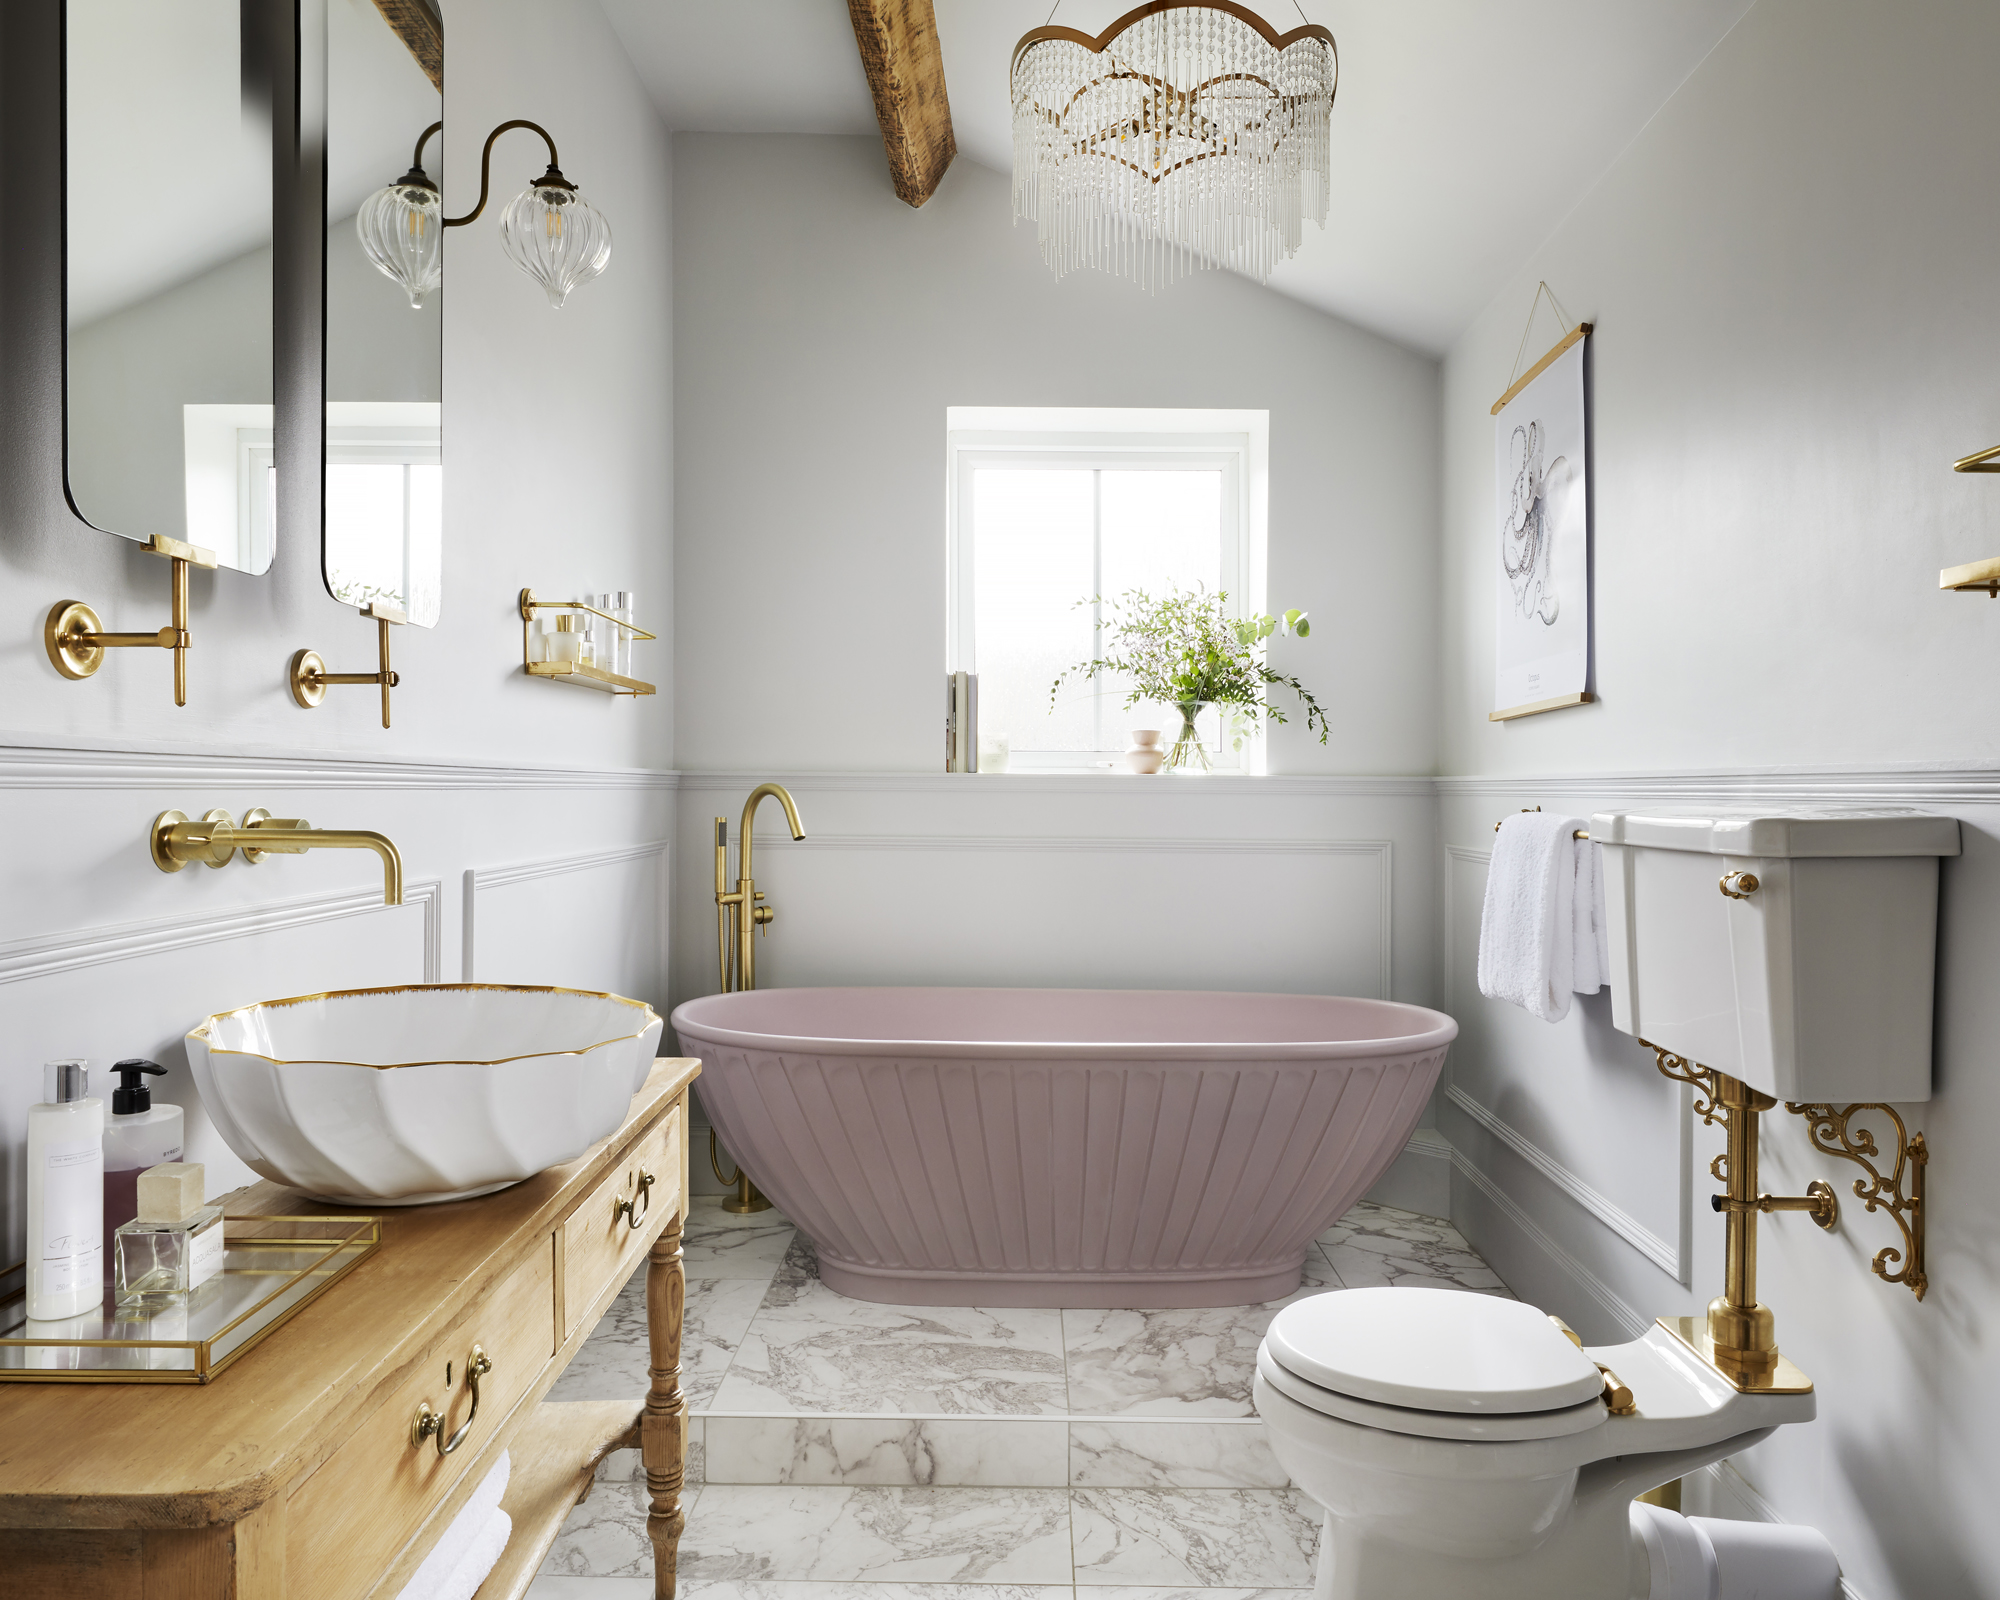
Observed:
{"x":385,"y":504}
{"x":1067,"y":509}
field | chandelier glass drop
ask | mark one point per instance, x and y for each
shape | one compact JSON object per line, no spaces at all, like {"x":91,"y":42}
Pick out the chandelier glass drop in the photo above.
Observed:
{"x":1185,"y":136}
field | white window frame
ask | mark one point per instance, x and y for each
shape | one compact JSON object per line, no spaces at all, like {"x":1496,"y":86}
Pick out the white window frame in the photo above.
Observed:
{"x":1235,"y":442}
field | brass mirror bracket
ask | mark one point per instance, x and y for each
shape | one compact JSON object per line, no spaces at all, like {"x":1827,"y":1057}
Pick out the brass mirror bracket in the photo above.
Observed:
{"x":74,"y":635}
{"x":310,"y":680}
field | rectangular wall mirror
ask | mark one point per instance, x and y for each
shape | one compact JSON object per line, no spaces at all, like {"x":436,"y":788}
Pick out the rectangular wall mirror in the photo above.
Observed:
{"x":169,"y":119}
{"x":383,"y":542}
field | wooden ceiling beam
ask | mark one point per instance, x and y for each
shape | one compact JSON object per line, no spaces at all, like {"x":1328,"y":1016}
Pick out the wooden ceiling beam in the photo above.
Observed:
{"x":899,"y":49}
{"x":418,"y":25}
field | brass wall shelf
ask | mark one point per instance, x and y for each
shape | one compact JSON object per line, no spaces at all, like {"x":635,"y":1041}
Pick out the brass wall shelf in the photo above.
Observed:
{"x":1975,"y":577}
{"x":588,"y":677}
{"x":76,"y":641}
{"x":581,"y":674}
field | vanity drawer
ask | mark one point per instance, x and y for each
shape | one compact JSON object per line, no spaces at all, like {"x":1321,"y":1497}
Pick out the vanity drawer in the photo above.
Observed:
{"x":599,"y":1246}
{"x":352,"y":1515}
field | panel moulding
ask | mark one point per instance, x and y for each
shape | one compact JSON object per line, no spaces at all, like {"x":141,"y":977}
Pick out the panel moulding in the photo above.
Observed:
{"x":45,"y":954}
{"x":84,"y":767}
{"x":484,"y":878}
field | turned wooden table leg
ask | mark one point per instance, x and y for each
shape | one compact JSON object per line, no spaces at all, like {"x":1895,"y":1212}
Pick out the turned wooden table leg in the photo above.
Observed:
{"x":663,"y":1425}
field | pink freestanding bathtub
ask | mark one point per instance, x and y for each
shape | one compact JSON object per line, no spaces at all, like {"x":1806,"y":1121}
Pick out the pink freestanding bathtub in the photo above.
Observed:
{"x":1062,"y":1147}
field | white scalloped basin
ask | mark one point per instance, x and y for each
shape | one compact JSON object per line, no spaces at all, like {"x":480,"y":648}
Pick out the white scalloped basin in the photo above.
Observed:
{"x":424,"y":1092}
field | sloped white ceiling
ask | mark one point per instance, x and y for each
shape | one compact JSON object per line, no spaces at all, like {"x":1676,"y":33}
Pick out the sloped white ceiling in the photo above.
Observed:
{"x":1464,"y":129}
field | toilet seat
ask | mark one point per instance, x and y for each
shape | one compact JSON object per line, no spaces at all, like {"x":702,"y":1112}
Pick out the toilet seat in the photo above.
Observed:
{"x":1439,"y":1363}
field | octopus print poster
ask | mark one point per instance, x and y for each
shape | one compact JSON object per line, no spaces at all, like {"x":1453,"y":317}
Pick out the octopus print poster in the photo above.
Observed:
{"x":1541,"y":543}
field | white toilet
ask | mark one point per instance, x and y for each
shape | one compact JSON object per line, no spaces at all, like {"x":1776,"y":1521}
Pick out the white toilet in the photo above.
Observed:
{"x":1463,"y":1447}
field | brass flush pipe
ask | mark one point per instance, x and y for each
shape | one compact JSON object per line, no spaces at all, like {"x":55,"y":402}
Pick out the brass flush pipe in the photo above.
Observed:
{"x":175,"y":841}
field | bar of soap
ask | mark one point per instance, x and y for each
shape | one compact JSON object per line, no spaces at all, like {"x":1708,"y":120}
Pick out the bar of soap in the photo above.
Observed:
{"x":171,"y":1191}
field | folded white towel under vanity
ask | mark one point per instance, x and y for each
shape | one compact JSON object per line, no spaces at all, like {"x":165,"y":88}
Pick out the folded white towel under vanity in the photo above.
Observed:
{"x":467,"y":1550}
{"x":1542,"y":934}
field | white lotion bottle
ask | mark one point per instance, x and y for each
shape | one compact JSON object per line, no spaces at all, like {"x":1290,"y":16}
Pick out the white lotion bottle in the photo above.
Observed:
{"x":65,"y":1195}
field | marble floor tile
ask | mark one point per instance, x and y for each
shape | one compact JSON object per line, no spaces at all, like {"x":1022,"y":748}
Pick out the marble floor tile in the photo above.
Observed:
{"x":1121,"y":1592}
{"x":809,"y":1349}
{"x":719,"y":1244}
{"x":1197,"y":1538}
{"x":555,"y":1586}
{"x":604,"y":1535}
{"x":1186,"y":1363}
{"x":1012,"y":1452}
{"x":732,"y":1589}
{"x":612,"y":1362}
{"x":878,"y":1535}
{"x":1372,"y":1246}
{"x":1173,"y":1455}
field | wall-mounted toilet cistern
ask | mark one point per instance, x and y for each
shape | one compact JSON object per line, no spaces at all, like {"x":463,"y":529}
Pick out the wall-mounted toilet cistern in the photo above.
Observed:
{"x":1467,"y":1446}
{"x":739,"y":914}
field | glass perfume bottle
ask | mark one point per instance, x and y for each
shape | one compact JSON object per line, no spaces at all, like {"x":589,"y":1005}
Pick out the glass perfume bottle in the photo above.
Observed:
{"x":174,"y":1245}
{"x":623,"y":602}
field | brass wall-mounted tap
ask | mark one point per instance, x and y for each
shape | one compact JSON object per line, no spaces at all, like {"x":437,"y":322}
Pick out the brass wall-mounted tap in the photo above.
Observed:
{"x":215,"y":837}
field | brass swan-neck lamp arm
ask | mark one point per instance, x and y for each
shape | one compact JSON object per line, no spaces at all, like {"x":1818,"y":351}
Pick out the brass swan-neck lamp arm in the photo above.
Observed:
{"x":214,"y":838}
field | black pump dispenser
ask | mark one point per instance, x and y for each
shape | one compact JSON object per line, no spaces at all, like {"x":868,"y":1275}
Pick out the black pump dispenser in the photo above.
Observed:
{"x":133,"y":1095}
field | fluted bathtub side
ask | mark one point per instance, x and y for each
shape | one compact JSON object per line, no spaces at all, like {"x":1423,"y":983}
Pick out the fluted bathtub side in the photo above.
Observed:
{"x":1045,"y":1177}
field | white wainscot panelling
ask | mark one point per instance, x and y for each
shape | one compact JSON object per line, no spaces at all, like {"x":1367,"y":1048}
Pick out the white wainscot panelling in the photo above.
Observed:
{"x":134,"y":989}
{"x":591,"y":921}
{"x":1293,"y":915}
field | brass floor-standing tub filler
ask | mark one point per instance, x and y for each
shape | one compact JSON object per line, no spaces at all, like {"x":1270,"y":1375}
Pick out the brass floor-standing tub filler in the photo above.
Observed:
{"x":1738,"y":1337}
{"x":740,"y":913}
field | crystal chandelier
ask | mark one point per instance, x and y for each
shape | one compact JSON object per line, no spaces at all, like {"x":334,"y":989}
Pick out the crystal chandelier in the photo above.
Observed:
{"x":548,"y":230}
{"x":1186,"y":135}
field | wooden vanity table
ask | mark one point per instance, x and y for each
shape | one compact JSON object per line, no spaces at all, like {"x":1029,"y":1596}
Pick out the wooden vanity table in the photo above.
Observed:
{"x":296,"y":1472}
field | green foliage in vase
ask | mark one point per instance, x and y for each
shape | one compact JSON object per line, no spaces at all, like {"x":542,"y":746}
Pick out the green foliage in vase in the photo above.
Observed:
{"x":1186,"y":647}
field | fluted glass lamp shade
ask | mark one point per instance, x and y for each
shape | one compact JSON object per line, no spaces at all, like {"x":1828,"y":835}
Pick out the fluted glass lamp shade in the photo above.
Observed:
{"x":1185,"y":136}
{"x":401,"y":228}
{"x":555,"y":236}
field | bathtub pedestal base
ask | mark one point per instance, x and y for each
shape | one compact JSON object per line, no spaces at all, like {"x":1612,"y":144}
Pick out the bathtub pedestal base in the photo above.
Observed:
{"x":1074,"y":1291}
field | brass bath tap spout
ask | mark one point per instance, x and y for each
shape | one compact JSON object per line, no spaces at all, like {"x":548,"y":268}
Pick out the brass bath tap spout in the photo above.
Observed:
{"x":215,"y":837}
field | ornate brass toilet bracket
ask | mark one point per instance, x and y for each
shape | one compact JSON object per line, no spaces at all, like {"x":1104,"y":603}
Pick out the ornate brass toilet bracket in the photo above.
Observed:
{"x":1830,"y":1128}
{"x":1739,"y":1336}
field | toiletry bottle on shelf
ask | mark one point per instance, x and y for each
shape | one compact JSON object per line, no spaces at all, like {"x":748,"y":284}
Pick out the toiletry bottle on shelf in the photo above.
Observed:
{"x":624,"y":600}
{"x":538,"y":648}
{"x":137,"y":1135}
{"x":565,"y":644}
{"x":65,"y":1195}
{"x":603,"y":641}
{"x":174,"y":1245}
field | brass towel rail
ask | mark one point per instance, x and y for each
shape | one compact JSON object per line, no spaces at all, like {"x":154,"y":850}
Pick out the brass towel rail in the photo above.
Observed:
{"x":1575,"y":833}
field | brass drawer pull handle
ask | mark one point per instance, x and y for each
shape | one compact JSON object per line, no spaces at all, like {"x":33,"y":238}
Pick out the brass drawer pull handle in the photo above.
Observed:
{"x":634,"y":1210}
{"x":1739,"y":885}
{"x":429,"y":1424}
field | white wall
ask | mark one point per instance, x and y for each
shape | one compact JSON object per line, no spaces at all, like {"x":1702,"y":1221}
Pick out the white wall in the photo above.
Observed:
{"x":558,"y":440}
{"x":1792,"y":279}
{"x":824,"y":327}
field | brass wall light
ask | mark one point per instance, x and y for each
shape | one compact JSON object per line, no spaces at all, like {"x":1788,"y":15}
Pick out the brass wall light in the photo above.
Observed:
{"x":310,"y":680}
{"x":76,"y":641}
{"x":548,"y":230}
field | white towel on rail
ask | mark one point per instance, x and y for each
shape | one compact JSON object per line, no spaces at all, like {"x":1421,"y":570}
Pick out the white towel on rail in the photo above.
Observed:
{"x":1535,"y":922}
{"x":432,"y":1580}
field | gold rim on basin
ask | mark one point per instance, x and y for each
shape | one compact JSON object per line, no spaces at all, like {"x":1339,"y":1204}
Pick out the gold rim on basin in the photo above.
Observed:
{"x":202,"y":1032}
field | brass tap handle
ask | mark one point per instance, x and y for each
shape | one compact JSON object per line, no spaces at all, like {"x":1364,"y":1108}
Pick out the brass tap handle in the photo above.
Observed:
{"x":1740,"y":885}
{"x":429,"y":1424}
{"x":634,"y":1210}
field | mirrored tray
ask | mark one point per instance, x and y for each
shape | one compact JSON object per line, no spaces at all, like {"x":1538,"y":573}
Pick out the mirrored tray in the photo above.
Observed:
{"x":271,"y":1268}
